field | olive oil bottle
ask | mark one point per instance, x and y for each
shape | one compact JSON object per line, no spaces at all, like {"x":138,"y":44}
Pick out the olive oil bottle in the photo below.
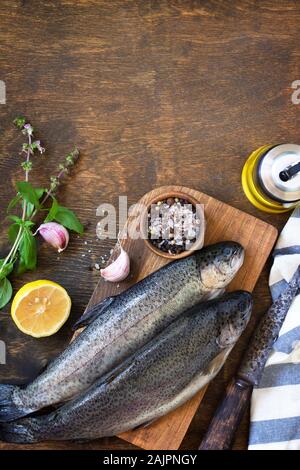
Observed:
{"x":271,"y":177}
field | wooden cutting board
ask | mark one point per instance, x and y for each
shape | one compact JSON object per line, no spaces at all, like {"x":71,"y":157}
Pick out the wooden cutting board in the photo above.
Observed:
{"x":223,"y":222}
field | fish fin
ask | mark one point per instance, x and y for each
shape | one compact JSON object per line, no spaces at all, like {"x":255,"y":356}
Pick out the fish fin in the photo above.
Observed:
{"x":214,"y":294}
{"x":111,"y":375}
{"x":92,"y":313}
{"x":45,"y":366}
{"x":117,"y":370}
{"x":81,"y":441}
{"x":212,"y":369}
{"x":9,"y":411}
{"x":145,"y":425}
{"x":16,"y":432}
{"x":217,"y":362}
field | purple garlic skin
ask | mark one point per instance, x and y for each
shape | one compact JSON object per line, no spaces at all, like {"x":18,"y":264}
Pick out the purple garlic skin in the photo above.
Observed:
{"x":55,"y":234}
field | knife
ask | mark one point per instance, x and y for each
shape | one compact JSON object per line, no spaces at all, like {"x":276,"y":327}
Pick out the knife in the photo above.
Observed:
{"x":228,"y":415}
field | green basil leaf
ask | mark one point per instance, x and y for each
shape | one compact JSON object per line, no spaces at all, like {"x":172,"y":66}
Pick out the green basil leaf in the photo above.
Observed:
{"x":13,"y":231}
{"x":28,"y":193}
{"x":29,"y":223}
{"x":6,"y":270}
{"x":15,"y":219}
{"x":21,"y":266}
{"x":30,"y":206}
{"x":29,"y":209}
{"x":39,"y":192}
{"x":52,"y":212}
{"x":68,"y":219}
{"x":5,"y":292}
{"x":13,"y":202}
{"x":28,"y":250}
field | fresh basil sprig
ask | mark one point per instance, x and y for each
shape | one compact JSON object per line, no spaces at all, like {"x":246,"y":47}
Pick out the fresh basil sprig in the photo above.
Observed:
{"x":31,"y":201}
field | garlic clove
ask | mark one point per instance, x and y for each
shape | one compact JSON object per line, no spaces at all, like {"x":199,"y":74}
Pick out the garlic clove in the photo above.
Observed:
{"x":118,"y":270}
{"x":55,"y":234}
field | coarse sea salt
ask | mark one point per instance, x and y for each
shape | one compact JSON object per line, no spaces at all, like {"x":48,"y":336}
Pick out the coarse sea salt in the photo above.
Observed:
{"x":173,"y":225}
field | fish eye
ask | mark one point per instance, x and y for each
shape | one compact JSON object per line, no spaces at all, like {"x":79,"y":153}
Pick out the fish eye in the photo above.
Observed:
{"x":227,"y":251}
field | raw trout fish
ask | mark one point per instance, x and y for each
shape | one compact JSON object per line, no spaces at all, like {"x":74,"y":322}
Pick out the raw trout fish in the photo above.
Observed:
{"x":161,"y":376}
{"x":119,"y":325}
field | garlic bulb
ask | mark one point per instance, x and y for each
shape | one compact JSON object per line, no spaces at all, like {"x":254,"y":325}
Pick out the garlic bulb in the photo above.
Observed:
{"x":119,"y":269}
{"x":54,"y":234}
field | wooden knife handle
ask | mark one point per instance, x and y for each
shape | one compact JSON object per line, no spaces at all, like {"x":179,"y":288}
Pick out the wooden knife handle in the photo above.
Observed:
{"x":223,"y":426}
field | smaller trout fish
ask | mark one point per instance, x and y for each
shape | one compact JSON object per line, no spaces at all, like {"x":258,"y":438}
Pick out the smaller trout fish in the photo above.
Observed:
{"x":161,"y":376}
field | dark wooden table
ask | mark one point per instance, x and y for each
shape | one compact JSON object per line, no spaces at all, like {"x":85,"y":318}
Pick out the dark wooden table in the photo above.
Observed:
{"x":153,"y":93}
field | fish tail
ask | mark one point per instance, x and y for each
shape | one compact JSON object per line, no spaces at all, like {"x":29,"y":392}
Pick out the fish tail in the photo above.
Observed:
{"x":9,"y":411}
{"x":19,"y":433}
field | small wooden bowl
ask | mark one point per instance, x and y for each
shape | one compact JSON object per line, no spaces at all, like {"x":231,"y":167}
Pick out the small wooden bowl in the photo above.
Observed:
{"x":200,"y":211}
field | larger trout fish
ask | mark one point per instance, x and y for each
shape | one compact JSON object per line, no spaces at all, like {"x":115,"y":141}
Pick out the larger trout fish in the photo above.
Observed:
{"x":161,"y":376}
{"x":119,"y":325}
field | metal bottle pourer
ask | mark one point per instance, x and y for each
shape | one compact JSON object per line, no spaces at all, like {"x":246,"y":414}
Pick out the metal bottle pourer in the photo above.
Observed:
{"x":271,"y":177}
{"x":287,"y":174}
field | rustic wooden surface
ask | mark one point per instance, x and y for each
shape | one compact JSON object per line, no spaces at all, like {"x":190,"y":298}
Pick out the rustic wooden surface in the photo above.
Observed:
{"x":153,"y":93}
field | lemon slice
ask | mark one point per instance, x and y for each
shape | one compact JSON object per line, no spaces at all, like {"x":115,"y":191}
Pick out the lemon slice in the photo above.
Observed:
{"x":40,"y":308}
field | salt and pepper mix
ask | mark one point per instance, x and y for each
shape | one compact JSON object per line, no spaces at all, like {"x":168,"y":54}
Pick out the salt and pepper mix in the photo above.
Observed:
{"x":173,"y":225}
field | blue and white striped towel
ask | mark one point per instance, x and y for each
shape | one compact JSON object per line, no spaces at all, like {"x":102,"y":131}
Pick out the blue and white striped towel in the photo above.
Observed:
{"x":275,"y":405}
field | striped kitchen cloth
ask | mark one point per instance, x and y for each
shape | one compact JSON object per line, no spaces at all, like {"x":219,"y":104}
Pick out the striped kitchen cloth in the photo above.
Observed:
{"x":275,"y":405}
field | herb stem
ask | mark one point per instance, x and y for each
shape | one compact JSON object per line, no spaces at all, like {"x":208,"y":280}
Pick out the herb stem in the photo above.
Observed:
{"x":18,"y":239}
{"x":47,"y":195}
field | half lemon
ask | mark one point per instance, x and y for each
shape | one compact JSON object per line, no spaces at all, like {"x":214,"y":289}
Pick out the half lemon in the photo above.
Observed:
{"x":40,"y":308}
